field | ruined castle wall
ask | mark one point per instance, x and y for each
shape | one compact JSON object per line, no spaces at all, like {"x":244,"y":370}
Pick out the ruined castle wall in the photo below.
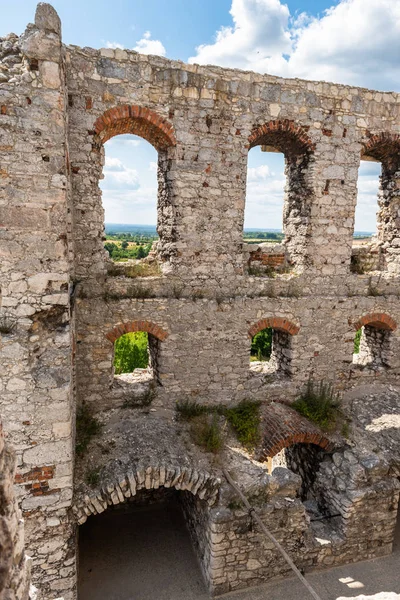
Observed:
{"x":35,"y":344}
{"x":14,"y":565}
{"x":58,"y":106}
{"x":206,"y":353}
{"x":203,"y":121}
{"x":215,"y":115}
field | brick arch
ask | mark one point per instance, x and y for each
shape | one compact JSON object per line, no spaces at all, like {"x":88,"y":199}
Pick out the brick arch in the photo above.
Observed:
{"x":283,"y":427}
{"x":278,"y":323}
{"x":122,"y":328}
{"x":377,"y":320}
{"x":284,"y":135}
{"x":384,"y":147}
{"x":138,"y":120}
{"x":199,"y":483}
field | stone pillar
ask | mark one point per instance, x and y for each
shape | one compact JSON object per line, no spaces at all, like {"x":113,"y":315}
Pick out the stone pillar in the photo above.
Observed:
{"x":36,"y":349}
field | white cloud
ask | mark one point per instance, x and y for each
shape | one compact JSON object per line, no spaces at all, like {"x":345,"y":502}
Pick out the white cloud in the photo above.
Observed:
{"x":257,"y":173}
{"x":125,"y":140}
{"x":114,"y":45}
{"x":117,"y":176}
{"x":355,"y":42}
{"x":257,"y":40}
{"x":148,"y":46}
{"x":153,"y":167}
{"x":145,"y":45}
{"x":367,"y":197}
{"x":113,"y":164}
{"x":131,"y":206}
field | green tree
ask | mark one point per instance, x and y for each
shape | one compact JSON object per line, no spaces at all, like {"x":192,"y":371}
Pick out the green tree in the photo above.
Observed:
{"x":124,"y":245}
{"x":357,"y":340}
{"x":111,"y":248}
{"x":261,"y":345}
{"x":131,"y":352}
{"x":141,"y":252}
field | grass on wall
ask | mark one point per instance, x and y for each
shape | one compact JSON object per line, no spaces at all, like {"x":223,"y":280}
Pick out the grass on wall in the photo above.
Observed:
{"x":245,"y":421}
{"x":87,"y":427}
{"x":243,"y":418}
{"x":320,"y":404}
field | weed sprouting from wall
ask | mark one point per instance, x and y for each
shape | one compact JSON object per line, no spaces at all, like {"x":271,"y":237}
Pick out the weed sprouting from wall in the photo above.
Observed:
{"x":87,"y":426}
{"x":206,"y":431}
{"x":7,"y":323}
{"x":92,"y":477}
{"x":243,"y":418}
{"x":320,"y":404}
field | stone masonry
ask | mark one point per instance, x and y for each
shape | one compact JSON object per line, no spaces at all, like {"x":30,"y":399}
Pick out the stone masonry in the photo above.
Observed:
{"x":63,"y":303}
{"x":14,"y":565}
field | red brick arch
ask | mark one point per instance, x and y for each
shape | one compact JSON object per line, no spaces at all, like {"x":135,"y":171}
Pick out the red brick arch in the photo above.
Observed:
{"x":378,"y":320}
{"x":148,"y":326}
{"x":282,"y":427}
{"x":382,"y":146}
{"x":276,"y":323}
{"x":286,"y":136}
{"x":138,"y":120}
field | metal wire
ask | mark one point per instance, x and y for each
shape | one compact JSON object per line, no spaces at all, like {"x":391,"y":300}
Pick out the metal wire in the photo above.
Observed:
{"x":269,"y":535}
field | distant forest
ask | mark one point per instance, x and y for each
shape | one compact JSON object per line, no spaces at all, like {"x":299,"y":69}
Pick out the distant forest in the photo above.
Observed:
{"x":146,"y":234}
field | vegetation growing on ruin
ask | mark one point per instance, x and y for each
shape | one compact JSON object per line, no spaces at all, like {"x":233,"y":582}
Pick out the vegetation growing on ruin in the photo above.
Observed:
{"x":7,"y":323}
{"x":131,"y":352}
{"x":207,"y":432}
{"x":87,"y":426}
{"x":92,"y":477}
{"x":189,"y":409}
{"x":243,"y":418}
{"x":320,"y":404}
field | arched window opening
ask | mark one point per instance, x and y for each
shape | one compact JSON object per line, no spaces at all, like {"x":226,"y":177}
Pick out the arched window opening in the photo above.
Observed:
{"x":271,"y":352}
{"x":293,"y":143}
{"x":136,"y":357}
{"x":136,"y":188}
{"x":140,"y":344}
{"x":129,"y":191}
{"x":365,"y":255}
{"x":263,"y":217}
{"x":372,"y":347}
{"x":384,"y":148}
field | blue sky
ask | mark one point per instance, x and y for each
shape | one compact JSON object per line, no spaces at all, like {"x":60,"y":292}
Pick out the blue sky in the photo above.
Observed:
{"x":348,"y":41}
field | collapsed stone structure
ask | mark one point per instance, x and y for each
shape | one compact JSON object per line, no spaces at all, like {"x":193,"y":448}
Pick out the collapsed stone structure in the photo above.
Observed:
{"x":63,"y":304}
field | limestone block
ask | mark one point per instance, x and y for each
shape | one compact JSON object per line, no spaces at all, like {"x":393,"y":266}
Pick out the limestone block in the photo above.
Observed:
{"x":50,"y":72}
{"x":47,"y":18}
{"x":42,"y":46}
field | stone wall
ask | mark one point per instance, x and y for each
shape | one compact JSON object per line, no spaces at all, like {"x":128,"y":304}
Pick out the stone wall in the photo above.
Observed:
{"x":36,"y":259}
{"x":14,"y":565}
{"x":61,"y":305}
